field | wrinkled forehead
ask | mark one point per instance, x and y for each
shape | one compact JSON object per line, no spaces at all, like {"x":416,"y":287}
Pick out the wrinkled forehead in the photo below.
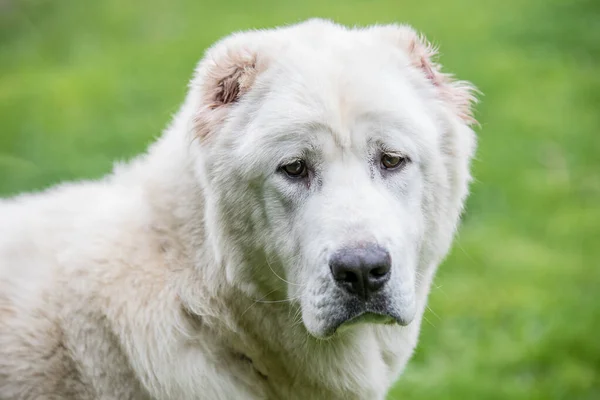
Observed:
{"x":346,"y":100}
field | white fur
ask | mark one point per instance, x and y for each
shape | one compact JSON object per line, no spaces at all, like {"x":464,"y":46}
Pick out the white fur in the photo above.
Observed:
{"x":199,"y":271}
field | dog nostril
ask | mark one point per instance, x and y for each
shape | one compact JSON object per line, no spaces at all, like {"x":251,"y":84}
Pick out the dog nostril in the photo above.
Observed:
{"x":347,"y":276}
{"x":379,"y":272}
{"x":361,"y":270}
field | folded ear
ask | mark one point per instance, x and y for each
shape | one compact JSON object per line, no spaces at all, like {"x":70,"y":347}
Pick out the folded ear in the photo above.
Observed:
{"x":458,"y":95}
{"x":226,"y":73}
{"x":229,"y":77}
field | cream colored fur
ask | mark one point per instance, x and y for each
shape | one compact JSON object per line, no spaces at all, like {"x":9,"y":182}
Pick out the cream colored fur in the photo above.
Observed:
{"x":179,"y":276}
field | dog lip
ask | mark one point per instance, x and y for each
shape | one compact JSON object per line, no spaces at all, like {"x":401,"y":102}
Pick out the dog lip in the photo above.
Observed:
{"x":365,"y":317}
{"x":372,"y":317}
{"x":350,"y":311}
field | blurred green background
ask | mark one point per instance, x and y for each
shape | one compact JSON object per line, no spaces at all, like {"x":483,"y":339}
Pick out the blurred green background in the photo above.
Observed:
{"x":515,"y":311}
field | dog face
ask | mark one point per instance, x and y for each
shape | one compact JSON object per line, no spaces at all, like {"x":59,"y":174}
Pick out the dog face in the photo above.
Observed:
{"x":336,"y":163}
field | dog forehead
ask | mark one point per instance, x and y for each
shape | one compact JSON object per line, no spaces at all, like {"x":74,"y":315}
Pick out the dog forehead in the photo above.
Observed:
{"x":341,"y":94}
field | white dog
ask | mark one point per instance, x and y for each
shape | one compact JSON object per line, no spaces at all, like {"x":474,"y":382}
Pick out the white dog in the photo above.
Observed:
{"x":277,"y":242}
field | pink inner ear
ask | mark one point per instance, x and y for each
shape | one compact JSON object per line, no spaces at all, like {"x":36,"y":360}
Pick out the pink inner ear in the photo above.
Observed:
{"x":457,"y":94}
{"x":225,"y":81}
{"x":228,"y":89}
{"x":427,"y":68}
{"x":227,"y":77}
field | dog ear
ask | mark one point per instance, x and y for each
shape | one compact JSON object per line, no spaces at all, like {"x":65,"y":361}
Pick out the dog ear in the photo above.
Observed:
{"x":458,"y":95}
{"x":229,"y":77}
{"x":226,"y":73}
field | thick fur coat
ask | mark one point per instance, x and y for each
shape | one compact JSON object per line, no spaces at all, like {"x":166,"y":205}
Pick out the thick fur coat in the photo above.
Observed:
{"x":200,"y":270}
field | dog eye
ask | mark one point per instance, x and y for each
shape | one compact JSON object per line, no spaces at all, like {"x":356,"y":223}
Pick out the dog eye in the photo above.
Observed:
{"x":296,"y":169}
{"x":390,"y":161}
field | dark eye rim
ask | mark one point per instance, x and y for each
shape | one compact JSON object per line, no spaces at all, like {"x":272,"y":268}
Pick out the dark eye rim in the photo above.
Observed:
{"x":402,"y":161}
{"x":303,"y":173}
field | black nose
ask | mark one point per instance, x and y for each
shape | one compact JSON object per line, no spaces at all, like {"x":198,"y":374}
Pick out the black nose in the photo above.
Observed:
{"x":361,"y":270}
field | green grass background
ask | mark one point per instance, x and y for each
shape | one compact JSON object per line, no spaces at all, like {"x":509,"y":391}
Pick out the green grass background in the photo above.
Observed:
{"x":515,"y":312}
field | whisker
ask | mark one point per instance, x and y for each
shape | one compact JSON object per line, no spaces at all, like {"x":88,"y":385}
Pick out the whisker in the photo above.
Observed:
{"x":460,"y":246}
{"x":277,"y":301}
{"x":433,"y":312}
{"x":275,"y":273}
{"x":256,"y":301}
{"x":429,"y":322}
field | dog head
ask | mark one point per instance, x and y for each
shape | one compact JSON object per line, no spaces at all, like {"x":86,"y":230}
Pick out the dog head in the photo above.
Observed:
{"x":335,"y":163}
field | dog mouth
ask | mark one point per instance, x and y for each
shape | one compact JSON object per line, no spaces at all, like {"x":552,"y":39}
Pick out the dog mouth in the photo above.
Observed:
{"x":369,"y":318}
{"x":350,"y":316}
